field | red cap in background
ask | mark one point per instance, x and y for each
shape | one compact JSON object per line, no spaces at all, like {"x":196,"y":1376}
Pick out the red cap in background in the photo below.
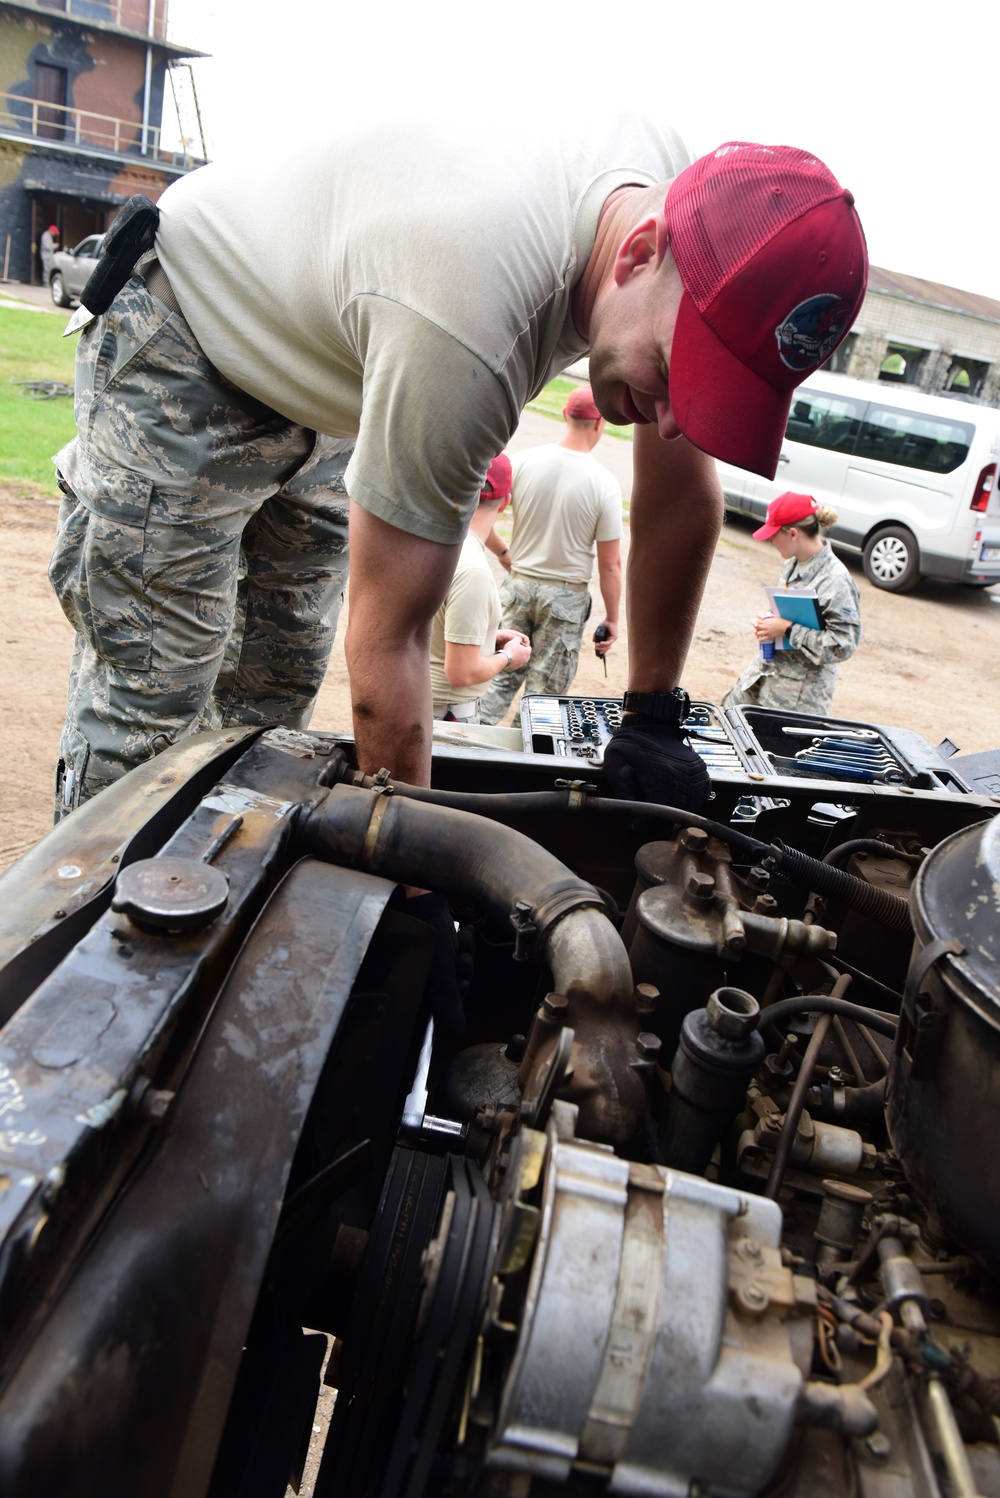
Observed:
{"x":498,"y":479}
{"x":785,"y":510}
{"x":773,"y":261}
{"x":581,"y":404}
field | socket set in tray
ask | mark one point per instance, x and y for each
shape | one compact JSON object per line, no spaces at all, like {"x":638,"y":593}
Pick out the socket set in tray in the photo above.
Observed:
{"x":580,"y":727}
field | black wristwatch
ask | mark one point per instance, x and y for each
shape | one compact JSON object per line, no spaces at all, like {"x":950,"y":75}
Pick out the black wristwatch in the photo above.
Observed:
{"x":665,"y":707}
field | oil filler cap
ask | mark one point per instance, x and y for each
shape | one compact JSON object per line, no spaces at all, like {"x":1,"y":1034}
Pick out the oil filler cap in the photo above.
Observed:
{"x":171,"y":894}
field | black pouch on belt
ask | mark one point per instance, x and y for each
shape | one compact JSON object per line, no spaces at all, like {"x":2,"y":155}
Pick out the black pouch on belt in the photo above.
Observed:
{"x":131,"y":235}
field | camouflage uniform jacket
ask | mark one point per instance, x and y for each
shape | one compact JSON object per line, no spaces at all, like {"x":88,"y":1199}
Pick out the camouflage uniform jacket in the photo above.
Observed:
{"x":804,"y":676}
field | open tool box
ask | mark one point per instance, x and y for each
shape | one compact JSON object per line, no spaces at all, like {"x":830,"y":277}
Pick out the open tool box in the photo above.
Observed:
{"x":580,"y":727}
{"x":760,"y":741}
{"x":799,"y":744}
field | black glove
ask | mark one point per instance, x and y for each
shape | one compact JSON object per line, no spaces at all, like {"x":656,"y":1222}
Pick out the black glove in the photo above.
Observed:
{"x":649,"y":761}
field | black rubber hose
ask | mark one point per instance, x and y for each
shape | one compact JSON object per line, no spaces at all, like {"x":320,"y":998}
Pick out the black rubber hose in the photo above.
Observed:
{"x":865,"y":1104}
{"x":497,"y":806}
{"x":818,"y":1003}
{"x":848,"y":1104}
{"x":810,"y":873}
{"x":826,"y":879}
{"x":520,"y":803}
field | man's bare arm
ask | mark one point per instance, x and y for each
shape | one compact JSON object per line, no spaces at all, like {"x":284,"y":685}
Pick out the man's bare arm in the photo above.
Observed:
{"x":398,"y":582}
{"x":467,"y":665}
{"x":609,"y":576}
{"x":675,"y":520}
{"x":496,"y":543}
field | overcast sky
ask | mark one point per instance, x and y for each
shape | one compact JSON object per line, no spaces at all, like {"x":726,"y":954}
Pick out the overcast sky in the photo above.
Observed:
{"x":898,"y":97}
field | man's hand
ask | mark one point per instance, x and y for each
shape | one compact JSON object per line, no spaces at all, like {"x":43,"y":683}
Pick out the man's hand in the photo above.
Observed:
{"x":649,"y":761}
{"x":607,"y":639}
{"x":518,"y":644}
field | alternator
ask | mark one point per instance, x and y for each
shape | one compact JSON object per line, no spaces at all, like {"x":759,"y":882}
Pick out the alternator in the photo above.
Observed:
{"x":653,"y":1342}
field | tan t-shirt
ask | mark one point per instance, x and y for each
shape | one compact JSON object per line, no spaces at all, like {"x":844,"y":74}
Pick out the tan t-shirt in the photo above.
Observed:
{"x":407,"y":285}
{"x":562,"y":503}
{"x":470,"y":615}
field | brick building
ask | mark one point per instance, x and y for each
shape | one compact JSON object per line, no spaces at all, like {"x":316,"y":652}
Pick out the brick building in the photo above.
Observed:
{"x":81,"y":102}
{"x":919,"y":333}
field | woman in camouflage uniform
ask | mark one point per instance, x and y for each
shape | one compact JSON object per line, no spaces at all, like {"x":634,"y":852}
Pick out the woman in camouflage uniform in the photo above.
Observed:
{"x":802,"y":677}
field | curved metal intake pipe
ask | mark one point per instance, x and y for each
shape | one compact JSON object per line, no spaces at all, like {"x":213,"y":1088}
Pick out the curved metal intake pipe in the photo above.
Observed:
{"x":554,"y":914}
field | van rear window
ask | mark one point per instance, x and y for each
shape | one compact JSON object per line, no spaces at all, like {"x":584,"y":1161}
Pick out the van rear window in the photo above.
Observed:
{"x":931,"y":443}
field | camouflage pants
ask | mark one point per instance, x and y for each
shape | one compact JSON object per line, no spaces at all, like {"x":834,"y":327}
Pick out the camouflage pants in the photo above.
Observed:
{"x":552,"y":615}
{"x":201,"y":553}
{"x":792,"y":683}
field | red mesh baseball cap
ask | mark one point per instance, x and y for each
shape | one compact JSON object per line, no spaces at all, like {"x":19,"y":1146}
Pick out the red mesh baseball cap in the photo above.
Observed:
{"x":498,"y":479}
{"x":773,"y":261}
{"x":785,"y":510}
{"x":581,"y":404}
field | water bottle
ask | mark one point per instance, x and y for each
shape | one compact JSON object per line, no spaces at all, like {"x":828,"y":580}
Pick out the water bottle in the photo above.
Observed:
{"x":767,"y":646}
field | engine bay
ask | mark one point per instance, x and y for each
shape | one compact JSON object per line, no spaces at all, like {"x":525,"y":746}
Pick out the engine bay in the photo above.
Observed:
{"x":657,"y":1162}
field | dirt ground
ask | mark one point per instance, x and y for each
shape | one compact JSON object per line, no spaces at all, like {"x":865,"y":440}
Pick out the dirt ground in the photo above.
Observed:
{"x":927,"y":660}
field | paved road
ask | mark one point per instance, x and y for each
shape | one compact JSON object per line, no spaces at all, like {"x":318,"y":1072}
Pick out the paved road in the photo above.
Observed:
{"x":18,"y":294}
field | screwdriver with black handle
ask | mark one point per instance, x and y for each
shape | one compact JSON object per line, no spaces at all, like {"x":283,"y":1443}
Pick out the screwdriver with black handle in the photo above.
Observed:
{"x":602,"y":632}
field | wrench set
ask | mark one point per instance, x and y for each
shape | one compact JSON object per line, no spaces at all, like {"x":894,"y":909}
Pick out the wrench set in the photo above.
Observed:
{"x":822,"y":748}
{"x":846,"y":754}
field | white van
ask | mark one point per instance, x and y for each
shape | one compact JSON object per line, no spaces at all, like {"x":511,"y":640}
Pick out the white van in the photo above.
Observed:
{"x":913,"y":478}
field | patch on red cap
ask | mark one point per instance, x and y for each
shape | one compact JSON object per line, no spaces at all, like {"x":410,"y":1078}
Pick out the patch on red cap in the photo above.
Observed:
{"x":811,"y":331}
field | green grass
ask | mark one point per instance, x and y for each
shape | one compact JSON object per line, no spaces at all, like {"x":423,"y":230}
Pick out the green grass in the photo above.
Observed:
{"x":32,"y":348}
{"x":551,"y":400}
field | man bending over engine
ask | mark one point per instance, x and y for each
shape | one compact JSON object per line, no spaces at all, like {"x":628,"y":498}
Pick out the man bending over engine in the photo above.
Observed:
{"x":360,"y":292}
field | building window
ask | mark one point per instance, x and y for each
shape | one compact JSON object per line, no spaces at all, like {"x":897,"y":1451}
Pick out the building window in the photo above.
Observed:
{"x":902,"y":365}
{"x":893,"y":368}
{"x":50,"y":91}
{"x":967,"y":377}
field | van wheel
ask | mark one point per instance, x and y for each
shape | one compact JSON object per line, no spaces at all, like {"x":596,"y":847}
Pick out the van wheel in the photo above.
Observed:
{"x":892,"y":559}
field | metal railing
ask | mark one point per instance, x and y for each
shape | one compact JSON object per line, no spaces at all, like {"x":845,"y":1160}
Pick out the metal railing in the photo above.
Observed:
{"x":82,"y":127}
{"x":130,"y":15}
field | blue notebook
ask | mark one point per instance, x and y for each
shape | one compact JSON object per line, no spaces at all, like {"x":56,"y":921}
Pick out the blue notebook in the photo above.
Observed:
{"x":799,"y":605}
